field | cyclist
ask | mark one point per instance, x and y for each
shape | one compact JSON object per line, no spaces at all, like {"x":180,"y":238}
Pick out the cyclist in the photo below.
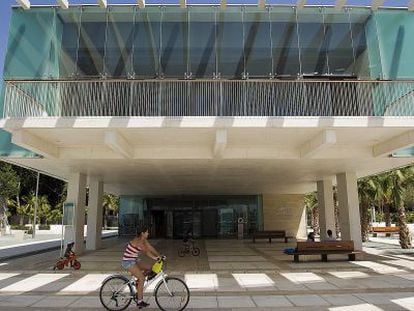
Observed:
{"x":132,"y":262}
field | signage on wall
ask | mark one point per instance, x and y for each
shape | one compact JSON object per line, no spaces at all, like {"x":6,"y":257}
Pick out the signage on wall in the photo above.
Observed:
{"x":68,"y":214}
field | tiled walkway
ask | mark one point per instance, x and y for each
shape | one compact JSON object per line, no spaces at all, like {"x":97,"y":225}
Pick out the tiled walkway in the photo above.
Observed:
{"x":229,"y":275}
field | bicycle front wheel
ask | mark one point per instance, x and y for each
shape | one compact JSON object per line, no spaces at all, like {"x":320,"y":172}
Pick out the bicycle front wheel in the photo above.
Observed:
{"x":195,"y":251}
{"x":172,"y":294}
{"x":116,"y":293}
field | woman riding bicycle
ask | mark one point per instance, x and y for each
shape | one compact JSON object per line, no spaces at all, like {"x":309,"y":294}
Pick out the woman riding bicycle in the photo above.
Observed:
{"x":132,"y":261}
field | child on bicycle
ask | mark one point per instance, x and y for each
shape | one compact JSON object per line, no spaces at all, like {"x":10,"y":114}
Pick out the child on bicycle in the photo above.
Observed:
{"x":132,"y":262}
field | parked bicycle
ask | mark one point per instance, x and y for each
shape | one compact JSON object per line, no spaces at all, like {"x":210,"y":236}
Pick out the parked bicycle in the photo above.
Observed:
{"x":188,"y":247}
{"x":171,"y":293}
{"x":69,"y":259}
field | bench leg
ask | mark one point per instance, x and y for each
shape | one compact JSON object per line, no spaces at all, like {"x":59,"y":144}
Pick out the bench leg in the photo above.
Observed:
{"x":388,"y":235}
{"x":296,"y":258}
{"x":351,"y":257}
{"x":286,"y":239}
{"x":324,"y":257}
{"x":270,"y":240}
{"x":374,"y":234}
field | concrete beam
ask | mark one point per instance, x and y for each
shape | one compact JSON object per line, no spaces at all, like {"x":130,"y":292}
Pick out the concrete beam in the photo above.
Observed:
{"x":316,"y":144}
{"x":261,"y":4}
{"x":141,"y":4}
{"x":25,"y":4}
{"x":223,"y":4}
{"x":103,"y":4}
{"x":220,"y":143}
{"x":411,"y":5}
{"x":375,"y":4}
{"x":34,"y":143}
{"x":396,"y":143}
{"x":183,"y":4}
{"x":118,"y":144}
{"x":64,"y":4}
{"x":300,"y":4}
{"x":339,"y":4}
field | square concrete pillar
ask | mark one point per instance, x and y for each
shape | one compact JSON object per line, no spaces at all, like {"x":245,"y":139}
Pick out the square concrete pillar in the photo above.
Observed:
{"x":326,"y":207}
{"x":77,"y":195}
{"x":94,"y":223}
{"x":349,"y":208}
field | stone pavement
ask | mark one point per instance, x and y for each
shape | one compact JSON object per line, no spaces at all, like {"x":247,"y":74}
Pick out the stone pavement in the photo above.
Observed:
{"x":228,"y":275}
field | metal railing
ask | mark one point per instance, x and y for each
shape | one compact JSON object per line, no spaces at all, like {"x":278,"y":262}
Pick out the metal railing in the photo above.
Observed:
{"x":208,"y":98}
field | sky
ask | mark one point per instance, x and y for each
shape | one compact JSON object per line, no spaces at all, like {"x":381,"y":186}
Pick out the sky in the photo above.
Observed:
{"x":5,"y":9}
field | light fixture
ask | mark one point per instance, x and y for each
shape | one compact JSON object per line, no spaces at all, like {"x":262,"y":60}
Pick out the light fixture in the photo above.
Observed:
{"x":103,"y":4}
{"x":141,"y":4}
{"x":339,"y":4}
{"x":183,"y":4}
{"x":64,"y":4}
{"x":376,"y":4}
{"x":25,"y":4}
{"x":261,"y":4}
{"x":411,"y":5}
{"x":300,"y":4}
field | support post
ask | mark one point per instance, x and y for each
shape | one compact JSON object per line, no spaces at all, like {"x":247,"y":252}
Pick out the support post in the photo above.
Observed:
{"x":94,"y":224}
{"x":326,"y":208}
{"x":349,"y":208}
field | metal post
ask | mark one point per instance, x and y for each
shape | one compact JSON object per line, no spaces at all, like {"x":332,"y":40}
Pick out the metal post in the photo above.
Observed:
{"x":36,"y":206}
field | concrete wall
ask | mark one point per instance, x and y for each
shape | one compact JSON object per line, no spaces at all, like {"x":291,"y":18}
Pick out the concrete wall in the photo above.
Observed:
{"x":285,"y":212}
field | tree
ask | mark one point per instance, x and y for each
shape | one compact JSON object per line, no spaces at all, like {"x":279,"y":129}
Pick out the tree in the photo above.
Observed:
{"x":27,"y":209}
{"x":9,"y":185}
{"x":311,"y":203}
{"x":367,"y":191}
{"x":110,"y":204}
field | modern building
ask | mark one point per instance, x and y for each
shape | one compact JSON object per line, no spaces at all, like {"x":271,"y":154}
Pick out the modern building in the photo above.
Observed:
{"x":200,"y":116}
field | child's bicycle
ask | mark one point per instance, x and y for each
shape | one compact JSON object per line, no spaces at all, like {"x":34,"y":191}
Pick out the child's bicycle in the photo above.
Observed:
{"x":188,"y":247}
{"x":68,"y":259}
{"x":117,"y":291}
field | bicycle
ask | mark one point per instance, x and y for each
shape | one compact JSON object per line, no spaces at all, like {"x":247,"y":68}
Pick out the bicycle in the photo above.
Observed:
{"x":189,"y":248}
{"x":171,"y":293}
{"x":68,"y":259}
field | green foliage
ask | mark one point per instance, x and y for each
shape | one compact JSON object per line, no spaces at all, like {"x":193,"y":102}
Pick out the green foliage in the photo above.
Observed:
{"x":9,"y":181}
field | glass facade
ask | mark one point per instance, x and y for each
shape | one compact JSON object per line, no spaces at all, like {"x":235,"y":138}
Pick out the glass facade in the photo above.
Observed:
{"x":203,"y":42}
{"x":206,"y":216}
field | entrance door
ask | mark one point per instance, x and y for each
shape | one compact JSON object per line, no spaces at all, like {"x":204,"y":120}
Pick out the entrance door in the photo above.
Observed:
{"x":159,"y":224}
{"x":209,"y":223}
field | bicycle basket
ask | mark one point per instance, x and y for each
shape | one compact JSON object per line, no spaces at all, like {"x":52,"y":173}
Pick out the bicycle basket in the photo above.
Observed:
{"x":157,"y":267}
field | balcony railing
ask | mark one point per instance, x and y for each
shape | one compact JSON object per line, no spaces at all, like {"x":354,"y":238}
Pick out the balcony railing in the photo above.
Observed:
{"x":208,"y":98}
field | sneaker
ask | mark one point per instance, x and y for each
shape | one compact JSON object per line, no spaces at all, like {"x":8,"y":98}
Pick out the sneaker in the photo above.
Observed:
{"x":142,"y":304}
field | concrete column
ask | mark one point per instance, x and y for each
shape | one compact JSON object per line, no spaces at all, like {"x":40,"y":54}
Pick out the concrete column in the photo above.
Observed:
{"x":77,"y":195}
{"x":326,"y":207}
{"x":349,"y":208}
{"x":94,"y":225}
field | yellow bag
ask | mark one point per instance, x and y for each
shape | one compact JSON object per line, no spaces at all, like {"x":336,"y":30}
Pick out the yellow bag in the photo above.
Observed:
{"x":157,"y":267}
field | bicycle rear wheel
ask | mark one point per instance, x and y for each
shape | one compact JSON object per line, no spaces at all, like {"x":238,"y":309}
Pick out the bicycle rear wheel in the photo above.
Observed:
{"x":181,"y":252}
{"x":173,"y":294}
{"x":116,"y":293}
{"x":195,"y":251}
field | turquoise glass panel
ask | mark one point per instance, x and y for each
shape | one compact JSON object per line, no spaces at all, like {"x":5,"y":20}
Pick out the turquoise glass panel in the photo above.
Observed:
{"x":313,"y":42}
{"x":257,"y":43}
{"x":92,"y":42}
{"x":32,"y":50}
{"x":147,"y":38}
{"x":174,"y":44}
{"x":229,"y":43}
{"x":201,"y":45}
{"x":338,"y":42}
{"x":395,"y":31}
{"x":119,"y":42}
{"x":285,"y":43}
{"x":69,"y":24}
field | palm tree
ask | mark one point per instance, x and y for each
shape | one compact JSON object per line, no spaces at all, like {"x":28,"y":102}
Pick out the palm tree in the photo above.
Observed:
{"x":336,"y":211}
{"x":366,"y":190}
{"x":311,"y":202}
{"x":27,"y":209}
{"x":399,"y":180}
{"x":110,"y":204}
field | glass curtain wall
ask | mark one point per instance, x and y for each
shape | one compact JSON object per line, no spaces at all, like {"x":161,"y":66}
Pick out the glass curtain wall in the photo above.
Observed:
{"x":205,"y":42}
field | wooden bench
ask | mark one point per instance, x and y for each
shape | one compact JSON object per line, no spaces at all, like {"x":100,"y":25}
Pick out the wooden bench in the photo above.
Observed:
{"x":324,"y":249}
{"x":387,"y":230}
{"x":275,"y":234}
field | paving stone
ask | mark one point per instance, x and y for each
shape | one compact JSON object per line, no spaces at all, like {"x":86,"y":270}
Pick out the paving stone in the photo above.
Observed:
{"x":53,"y":302}
{"x":21,"y":300}
{"x":202,"y":302}
{"x":272,"y":301}
{"x":86,"y":302}
{"x":235,"y":302}
{"x":307,"y":300}
{"x":342,"y":300}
